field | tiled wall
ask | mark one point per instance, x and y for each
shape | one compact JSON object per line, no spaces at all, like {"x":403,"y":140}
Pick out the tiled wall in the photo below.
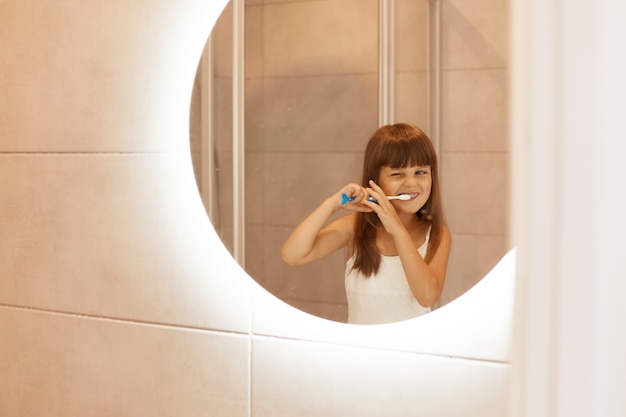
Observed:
{"x":474,"y":137}
{"x":313,"y":91}
{"x":116,"y":297}
{"x":103,"y":284}
{"x":311,"y":105}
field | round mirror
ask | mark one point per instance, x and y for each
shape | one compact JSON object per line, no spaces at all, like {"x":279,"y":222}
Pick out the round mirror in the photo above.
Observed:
{"x":320,"y":77}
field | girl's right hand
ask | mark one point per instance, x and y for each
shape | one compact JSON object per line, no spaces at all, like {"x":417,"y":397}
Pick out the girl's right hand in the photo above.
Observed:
{"x":359,"y":194}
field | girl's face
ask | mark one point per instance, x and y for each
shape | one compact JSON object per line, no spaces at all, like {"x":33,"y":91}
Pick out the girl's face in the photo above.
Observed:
{"x":416,"y":181}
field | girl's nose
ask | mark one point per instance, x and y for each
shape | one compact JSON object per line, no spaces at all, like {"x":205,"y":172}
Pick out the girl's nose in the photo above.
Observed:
{"x":411,"y":182}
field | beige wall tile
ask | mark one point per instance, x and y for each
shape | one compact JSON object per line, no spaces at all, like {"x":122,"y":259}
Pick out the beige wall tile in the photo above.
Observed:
{"x":259,"y":2}
{"x":296,"y":183}
{"x":64,"y":365}
{"x":474,"y":113}
{"x":471,"y":258}
{"x":320,"y":113}
{"x":320,"y":281}
{"x":255,"y":114}
{"x":325,"y":309}
{"x":319,"y":37}
{"x":95,"y":84}
{"x":255,"y":250}
{"x":411,"y":95}
{"x":411,"y":35}
{"x":223,"y":116}
{"x":254,"y":47}
{"x":222,"y":43}
{"x":266,"y":2}
{"x":474,"y":34}
{"x":111,"y":235}
{"x":291,"y":378}
{"x":254,"y":182}
{"x":224,"y":172}
{"x":475,"y":192}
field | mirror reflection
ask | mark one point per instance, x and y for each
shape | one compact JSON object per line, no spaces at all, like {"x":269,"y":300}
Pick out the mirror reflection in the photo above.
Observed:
{"x":312,"y":100}
{"x":395,"y":236}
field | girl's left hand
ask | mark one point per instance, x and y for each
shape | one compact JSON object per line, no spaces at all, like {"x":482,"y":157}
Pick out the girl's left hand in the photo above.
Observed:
{"x":384,"y":209}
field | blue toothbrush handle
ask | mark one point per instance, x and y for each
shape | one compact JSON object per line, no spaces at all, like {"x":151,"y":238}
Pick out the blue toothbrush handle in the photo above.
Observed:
{"x":345,"y":199}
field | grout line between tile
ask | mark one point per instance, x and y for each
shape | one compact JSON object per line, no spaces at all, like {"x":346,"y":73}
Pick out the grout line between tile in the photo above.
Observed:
{"x":121,"y":320}
{"x":379,"y":349}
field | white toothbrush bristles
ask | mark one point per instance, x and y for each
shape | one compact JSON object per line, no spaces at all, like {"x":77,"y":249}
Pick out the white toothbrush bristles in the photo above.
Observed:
{"x":399,"y":197}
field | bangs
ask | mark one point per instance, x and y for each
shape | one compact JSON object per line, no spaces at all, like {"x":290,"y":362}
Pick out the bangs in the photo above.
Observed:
{"x":397,"y":146}
{"x":405,"y":152}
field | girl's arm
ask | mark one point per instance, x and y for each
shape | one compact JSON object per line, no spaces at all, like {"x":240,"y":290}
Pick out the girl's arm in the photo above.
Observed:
{"x":425,"y":280}
{"x":311,"y":240}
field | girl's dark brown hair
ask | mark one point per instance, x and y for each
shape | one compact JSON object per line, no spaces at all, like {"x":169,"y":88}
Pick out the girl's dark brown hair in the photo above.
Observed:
{"x":397,"y":146}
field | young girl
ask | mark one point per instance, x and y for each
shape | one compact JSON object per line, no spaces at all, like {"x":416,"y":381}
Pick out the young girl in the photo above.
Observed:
{"x":398,"y":249}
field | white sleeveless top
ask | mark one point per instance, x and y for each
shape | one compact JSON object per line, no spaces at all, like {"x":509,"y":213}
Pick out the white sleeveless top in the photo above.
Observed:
{"x":385,"y":297}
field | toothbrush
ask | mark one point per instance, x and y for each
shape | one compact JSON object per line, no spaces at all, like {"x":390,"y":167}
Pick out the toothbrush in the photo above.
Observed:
{"x":403,"y":197}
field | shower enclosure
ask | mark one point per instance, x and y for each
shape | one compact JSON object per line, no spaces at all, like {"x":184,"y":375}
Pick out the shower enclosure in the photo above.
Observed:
{"x":287,"y":94}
